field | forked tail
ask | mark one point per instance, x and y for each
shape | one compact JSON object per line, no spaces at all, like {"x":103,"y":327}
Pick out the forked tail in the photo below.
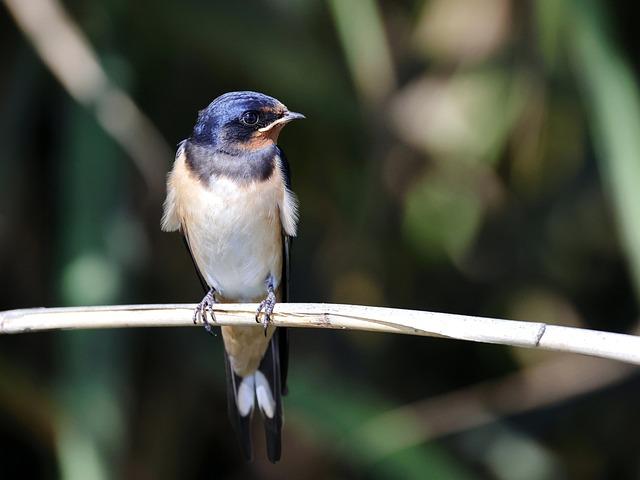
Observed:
{"x":263,"y":388}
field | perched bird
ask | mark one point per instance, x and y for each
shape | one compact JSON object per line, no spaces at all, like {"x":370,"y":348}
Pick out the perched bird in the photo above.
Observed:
{"x":229,"y":195}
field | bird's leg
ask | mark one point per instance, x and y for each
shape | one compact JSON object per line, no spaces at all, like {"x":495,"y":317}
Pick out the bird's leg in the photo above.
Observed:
{"x":266,"y":306}
{"x":206,"y":307}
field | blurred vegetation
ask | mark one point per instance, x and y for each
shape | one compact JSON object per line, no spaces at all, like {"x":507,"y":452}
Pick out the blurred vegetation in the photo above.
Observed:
{"x":469,"y":156}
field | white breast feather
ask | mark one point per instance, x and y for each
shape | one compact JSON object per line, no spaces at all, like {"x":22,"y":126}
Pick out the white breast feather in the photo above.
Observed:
{"x":234,"y":231}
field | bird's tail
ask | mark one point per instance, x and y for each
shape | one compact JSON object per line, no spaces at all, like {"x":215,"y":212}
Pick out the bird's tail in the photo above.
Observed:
{"x":264,"y":389}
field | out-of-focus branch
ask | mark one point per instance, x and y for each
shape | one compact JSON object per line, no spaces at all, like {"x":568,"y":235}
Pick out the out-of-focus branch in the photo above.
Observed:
{"x":615,"y":346}
{"x":612,"y":98}
{"x":364,"y":41}
{"x":67,"y":53}
{"x":548,"y":383}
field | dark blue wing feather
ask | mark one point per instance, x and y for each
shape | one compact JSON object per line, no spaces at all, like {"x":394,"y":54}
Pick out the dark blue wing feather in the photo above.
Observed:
{"x":283,"y":333}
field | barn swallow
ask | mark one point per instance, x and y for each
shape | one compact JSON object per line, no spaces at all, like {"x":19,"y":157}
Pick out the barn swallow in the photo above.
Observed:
{"x":229,"y":194}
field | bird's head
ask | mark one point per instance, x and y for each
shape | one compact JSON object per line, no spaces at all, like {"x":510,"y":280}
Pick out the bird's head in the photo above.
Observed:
{"x":238,"y":122}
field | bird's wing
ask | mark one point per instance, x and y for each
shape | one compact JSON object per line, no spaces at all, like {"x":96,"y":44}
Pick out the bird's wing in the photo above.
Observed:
{"x":185,"y":239}
{"x":283,"y":333}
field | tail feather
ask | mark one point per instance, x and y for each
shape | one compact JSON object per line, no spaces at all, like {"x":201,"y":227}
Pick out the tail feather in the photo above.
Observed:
{"x":264,"y":389}
{"x":235,"y":405}
{"x":269,"y":395}
{"x":283,"y":354}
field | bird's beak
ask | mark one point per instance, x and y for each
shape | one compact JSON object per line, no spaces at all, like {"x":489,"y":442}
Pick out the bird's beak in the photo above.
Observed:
{"x":283,"y":120}
{"x":293,"y":116}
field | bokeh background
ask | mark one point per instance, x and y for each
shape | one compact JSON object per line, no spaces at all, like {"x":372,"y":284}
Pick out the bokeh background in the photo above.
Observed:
{"x":469,"y":156}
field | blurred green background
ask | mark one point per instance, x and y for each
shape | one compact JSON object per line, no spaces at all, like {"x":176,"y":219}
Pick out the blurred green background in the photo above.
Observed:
{"x":469,"y":156}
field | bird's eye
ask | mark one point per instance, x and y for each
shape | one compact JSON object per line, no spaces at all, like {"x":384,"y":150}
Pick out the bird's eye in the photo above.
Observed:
{"x":250,"y":118}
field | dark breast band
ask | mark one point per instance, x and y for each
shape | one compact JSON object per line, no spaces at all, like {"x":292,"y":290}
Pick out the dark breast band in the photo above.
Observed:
{"x":246,"y":167}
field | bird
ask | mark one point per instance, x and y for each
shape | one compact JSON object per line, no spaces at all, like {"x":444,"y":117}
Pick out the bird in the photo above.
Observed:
{"x":229,"y":195}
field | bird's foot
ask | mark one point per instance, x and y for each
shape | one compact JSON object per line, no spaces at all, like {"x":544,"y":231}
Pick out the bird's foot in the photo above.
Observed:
{"x":204,"y":308}
{"x":266,"y":309}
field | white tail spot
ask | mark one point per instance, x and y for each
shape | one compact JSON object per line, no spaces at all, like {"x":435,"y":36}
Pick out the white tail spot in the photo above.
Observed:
{"x":265,"y":397}
{"x":246,"y":395}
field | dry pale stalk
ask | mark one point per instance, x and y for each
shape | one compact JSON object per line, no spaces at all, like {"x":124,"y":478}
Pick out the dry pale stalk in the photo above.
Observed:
{"x":616,"y":346}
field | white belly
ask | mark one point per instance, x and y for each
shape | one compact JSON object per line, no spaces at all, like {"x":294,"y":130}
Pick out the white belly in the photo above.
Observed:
{"x":235,"y":236}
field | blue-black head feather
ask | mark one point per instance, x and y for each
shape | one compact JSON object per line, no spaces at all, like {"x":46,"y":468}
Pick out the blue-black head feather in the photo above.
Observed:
{"x":224,"y":122}
{"x":236,"y":135}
